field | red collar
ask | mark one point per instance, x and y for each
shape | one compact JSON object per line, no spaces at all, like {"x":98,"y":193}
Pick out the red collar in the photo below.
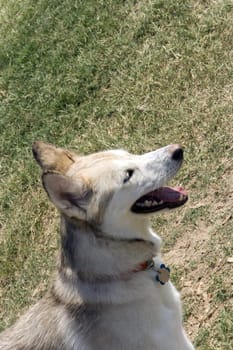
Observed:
{"x":144,"y":266}
{"x":162,"y":273}
{"x":125,"y":275}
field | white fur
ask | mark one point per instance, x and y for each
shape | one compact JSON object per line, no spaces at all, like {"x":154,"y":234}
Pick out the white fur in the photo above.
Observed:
{"x":152,"y":314}
{"x":144,"y":314}
{"x":129,"y":310}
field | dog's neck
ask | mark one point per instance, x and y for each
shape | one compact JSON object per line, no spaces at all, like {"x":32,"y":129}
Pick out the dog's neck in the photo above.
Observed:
{"x":88,"y":253}
{"x":92,"y":267}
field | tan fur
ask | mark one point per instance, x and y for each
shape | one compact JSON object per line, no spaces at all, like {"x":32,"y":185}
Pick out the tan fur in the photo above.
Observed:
{"x":52,"y":158}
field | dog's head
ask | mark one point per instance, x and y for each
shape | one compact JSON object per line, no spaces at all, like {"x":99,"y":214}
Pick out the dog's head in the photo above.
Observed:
{"x":113,"y":190}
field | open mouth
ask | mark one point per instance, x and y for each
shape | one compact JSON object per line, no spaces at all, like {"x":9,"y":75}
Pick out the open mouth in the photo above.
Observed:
{"x":161,"y":198}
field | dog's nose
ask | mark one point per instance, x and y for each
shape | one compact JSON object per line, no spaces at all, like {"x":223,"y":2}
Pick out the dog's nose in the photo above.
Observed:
{"x":177,"y":152}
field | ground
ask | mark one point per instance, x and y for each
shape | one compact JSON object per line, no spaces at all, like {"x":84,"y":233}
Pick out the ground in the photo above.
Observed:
{"x":130,"y":74}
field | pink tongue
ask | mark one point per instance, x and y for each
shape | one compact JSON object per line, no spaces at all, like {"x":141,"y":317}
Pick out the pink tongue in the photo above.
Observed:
{"x":169,"y":194}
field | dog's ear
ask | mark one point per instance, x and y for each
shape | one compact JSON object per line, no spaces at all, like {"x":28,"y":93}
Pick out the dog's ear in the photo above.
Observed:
{"x":71,"y":196}
{"x":51,"y":158}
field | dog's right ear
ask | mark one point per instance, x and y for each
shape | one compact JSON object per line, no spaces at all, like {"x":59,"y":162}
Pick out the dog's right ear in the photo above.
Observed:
{"x":51,"y":158}
{"x":70,"y":196}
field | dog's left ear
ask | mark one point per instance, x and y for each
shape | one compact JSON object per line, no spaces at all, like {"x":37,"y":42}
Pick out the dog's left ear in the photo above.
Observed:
{"x":70,"y":196}
{"x":51,"y":158}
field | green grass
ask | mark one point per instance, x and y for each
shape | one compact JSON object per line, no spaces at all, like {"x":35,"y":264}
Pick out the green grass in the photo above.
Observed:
{"x":93,"y":75}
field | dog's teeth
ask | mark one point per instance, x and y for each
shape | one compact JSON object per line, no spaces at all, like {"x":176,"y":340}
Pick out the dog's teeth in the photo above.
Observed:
{"x":161,"y":202}
{"x":148,"y":203}
{"x":154,"y":203}
{"x":182,"y":197}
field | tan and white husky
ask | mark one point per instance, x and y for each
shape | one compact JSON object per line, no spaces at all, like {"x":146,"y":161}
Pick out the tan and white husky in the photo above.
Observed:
{"x":111,"y":290}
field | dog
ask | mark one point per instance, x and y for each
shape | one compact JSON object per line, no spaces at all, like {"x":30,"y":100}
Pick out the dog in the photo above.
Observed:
{"x":111,"y":289}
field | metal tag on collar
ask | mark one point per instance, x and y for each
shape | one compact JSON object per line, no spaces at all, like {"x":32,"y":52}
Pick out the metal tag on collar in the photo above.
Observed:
{"x":163,"y":274}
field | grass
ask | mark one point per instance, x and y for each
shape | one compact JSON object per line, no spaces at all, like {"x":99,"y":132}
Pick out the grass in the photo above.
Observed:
{"x":120,"y":74}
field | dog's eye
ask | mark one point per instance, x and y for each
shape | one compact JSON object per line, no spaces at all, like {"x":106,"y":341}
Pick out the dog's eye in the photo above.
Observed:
{"x":129,"y":174}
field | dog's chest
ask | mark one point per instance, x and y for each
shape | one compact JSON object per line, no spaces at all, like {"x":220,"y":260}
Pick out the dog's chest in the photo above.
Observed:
{"x":146,"y":323}
{"x":150,"y":323}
